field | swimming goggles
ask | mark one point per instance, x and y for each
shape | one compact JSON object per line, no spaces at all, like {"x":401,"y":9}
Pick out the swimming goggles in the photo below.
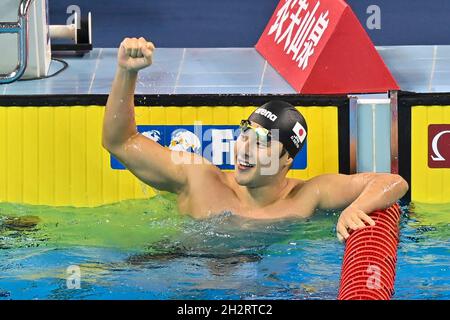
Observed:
{"x":262,"y":134}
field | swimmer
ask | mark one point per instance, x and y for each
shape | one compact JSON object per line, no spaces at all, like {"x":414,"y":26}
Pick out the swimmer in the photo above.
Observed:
{"x":258,"y":188}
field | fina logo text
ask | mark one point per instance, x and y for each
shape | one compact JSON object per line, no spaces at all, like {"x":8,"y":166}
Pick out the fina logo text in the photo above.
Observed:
{"x":214,"y":143}
{"x":266,"y":113}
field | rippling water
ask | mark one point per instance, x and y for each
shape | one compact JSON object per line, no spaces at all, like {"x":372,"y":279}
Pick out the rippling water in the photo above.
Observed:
{"x":143,"y":249}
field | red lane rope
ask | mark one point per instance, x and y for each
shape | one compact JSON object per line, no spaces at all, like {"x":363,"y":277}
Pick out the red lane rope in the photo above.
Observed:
{"x":370,"y":258}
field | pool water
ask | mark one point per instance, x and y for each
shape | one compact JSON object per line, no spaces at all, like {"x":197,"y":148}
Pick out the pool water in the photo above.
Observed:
{"x":143,"y":249}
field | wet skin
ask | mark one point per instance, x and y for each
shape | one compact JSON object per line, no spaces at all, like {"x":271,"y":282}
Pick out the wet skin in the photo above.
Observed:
{"x":204,"y":190}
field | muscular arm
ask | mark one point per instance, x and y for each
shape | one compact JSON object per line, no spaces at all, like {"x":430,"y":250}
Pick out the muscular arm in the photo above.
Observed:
{"x":366,"y":191}
{"x":145,"y":158}
{"x":360,"y":195}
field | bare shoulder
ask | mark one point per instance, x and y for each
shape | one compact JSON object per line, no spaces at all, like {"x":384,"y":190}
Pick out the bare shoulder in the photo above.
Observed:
{"x":298,"y":200}
{"x":332,"y":180}
{"x":206,"y":176}
{"x":297,"y":187}
{"x":306,"y":195}
{"x":335,"y":190}
{"x":328,"y":182}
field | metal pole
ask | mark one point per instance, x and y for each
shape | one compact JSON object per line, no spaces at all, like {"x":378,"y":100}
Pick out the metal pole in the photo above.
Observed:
{"x":21,"y":28}
{"x":353,"y":134}
{"x":394,"y":131}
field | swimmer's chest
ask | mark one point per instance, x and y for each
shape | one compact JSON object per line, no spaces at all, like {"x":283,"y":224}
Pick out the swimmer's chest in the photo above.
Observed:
{"x":208,"y":195}
{"x":214,"y":195}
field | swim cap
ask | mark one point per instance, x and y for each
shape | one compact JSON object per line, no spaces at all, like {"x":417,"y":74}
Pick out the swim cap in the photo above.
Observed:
{"x":290,"y":122}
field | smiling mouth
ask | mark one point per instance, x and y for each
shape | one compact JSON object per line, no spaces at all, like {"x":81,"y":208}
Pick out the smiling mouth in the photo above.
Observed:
{"x":244,"y":164}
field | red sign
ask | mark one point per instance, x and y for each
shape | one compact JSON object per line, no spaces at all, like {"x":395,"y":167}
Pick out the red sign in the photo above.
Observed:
{"x":439,"y":146}
{"x":320,"y":47}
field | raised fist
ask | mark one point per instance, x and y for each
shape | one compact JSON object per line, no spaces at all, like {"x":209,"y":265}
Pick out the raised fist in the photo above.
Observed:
{"x":135,"y":54}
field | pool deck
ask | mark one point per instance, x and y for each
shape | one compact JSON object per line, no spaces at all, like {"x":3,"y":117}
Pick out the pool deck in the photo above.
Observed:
{"x":224,"y":71}
{"x":420,"y":69}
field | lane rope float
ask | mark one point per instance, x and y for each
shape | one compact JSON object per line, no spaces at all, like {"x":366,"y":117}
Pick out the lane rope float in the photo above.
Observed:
{"x":370,"y":258}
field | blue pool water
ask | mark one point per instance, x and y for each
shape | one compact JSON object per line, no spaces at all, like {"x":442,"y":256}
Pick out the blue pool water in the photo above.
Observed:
{"x":142,"y":249}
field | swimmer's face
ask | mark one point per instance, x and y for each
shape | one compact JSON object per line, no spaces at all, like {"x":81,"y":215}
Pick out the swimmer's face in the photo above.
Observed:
{"x":259,"y":160}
